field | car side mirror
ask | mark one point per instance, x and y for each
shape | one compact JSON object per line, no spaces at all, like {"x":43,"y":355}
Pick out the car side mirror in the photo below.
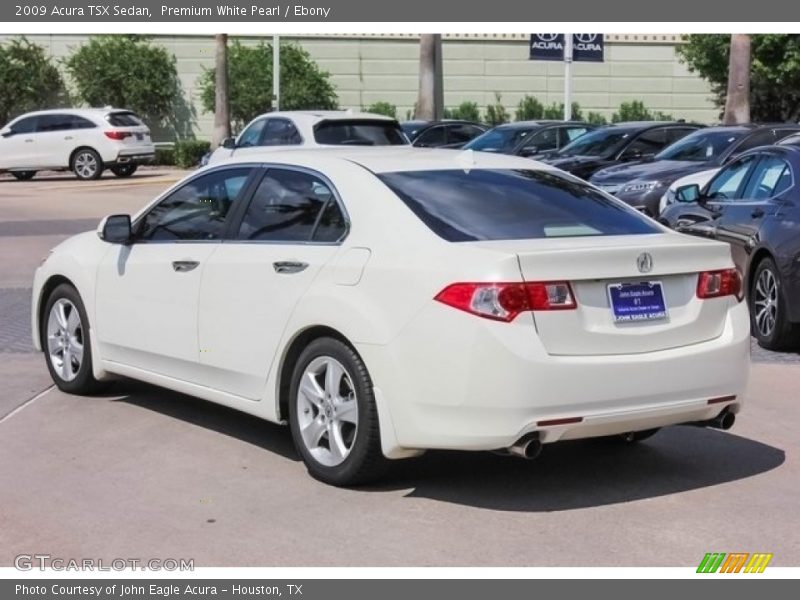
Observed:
{"x":115,"y":229}
{"x":688,"y":193}
{"x":229,"y":143}
{"x":6,"y":133}
{"x":529,"y":151}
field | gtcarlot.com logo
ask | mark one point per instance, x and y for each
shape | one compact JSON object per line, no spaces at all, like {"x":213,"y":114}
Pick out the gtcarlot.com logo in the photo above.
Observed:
{"x":735,"y":562}
{"x":29,"y":562}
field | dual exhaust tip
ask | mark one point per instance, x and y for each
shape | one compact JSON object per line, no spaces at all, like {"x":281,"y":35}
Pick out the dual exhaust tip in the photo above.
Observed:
{"x":529,"y":447}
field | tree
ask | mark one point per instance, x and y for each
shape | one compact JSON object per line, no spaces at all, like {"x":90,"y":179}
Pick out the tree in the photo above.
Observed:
{"x":222,"y":116}
{"x":127,"y":71}
{"x":774,"y":73}
{"x":737,"y":100}
{"x":28,"y":80}
{"x":303,"y":84}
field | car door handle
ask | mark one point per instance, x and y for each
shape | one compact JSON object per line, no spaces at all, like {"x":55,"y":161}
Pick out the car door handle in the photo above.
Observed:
{"x":28,"y":141}
{"x":184,"y":266}
{"x":757,"y":213}
{"x":68,"y":137}
{"x":289,"y":266}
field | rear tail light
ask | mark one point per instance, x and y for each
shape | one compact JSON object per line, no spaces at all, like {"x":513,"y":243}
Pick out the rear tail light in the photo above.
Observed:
{"x":117,"y":135}
{"x":504,"y":301}
{"x":715,"y":284}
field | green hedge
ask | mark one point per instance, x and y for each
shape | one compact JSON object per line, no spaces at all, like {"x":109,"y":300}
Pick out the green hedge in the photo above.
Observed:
{"x":187,"y":153}
{"x":165,"y":156}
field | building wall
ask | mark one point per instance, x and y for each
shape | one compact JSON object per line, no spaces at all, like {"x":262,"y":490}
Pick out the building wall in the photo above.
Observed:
{"x":366,"y":69}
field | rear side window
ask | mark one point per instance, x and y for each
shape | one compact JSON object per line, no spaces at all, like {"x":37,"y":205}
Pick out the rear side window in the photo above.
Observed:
{"x":483,"y":204}
{"x":292,"y":206}
{"x":123,"y":119}
{"x":359,"y":133}
{"x":54,"y":122}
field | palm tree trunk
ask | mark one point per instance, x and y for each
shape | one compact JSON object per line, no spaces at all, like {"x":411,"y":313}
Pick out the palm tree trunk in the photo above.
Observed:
{"x":737,"y":100}
{"x":425,"y":108}
{"x":222,"y":118}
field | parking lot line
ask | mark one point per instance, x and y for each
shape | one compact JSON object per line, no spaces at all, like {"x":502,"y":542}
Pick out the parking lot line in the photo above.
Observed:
{"x":26,"y":403}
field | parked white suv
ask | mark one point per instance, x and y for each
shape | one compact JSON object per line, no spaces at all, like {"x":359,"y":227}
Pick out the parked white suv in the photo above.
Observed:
{"x":85,"y":141}
{"x":314,"y":129}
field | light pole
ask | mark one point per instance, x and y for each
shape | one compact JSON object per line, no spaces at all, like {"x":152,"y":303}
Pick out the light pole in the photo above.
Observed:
{"x":567,"y":76}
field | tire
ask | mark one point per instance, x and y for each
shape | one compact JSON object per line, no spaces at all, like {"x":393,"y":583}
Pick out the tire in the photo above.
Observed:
{"x":125,"y":170}
{"x":87,"y":164}
{"x":23,"y":175}
{"x":63,"y":329}
{"x":769,"y":319}
{"x":339,"y":448}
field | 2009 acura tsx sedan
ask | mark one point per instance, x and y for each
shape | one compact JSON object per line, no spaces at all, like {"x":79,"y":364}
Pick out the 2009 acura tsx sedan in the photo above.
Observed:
{"x":386,"y":301}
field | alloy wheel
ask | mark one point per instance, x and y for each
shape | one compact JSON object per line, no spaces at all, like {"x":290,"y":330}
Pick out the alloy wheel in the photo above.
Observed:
{"x":327,"y":411}
{"x":65,"y":339}
{"x":765,"y":302}
{"x":86,"y":165}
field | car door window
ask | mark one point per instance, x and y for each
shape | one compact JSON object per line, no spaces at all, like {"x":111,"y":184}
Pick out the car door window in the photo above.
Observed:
{"x":279,"y":132}
{"x":728,"y":182}
{"x":759,"y":138}
{"x":462,"y":133}
{"x":26,"y":125}
{"x":567,"y":134}
{"x":50,"y":123}
{"x":196,"y":211}
{"x":252,"y":135}
{"x":433,"y":137}
{"x":544,"y":140}
{"x":648,"y":142}
{"x":770,"y":177}
{"x":292,"y":206}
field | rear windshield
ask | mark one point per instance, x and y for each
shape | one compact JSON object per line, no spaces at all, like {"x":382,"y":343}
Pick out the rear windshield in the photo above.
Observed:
{"x":499,"y":139}
{"x":123,"y":119}
{"x":600,"y":142}
{"x":482,"y":204}
{"x":359,"y":133}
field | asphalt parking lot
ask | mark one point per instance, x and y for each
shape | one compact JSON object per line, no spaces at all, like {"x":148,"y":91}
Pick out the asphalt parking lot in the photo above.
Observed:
{"x":141,"y":472}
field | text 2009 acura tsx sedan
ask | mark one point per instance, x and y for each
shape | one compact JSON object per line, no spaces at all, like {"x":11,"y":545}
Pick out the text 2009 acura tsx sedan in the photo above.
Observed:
{"x":388,"y":301}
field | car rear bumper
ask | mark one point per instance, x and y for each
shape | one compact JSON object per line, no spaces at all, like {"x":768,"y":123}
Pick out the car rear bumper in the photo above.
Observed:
{"x":484,"y":386}
{"x":139,"y":156}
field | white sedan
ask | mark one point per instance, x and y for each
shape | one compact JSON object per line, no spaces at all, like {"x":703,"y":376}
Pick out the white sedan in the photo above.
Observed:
{"x":386,"y":301}
{"x":310,"y":129}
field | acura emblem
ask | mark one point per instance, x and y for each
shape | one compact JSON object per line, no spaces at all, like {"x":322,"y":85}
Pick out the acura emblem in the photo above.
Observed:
{"x":644,"y":262}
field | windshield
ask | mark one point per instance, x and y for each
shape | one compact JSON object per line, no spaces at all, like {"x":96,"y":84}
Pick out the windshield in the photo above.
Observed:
{"x":601,"y":142}
{"x":701,"y":146}
{"x":502,"y":204}
{"x":359,"y":133}
{"x":499,"y":139}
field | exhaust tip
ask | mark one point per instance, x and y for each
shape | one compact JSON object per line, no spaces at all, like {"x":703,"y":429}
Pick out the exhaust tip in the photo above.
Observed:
{"x":527,"y":448}
{"x":726,"y":420}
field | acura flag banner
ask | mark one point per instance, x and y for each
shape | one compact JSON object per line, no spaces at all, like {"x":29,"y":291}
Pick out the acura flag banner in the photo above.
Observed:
{"x":586,"y":47}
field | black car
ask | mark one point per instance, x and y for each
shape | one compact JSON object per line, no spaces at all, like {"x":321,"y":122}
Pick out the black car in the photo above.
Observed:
{"x":441,"y":134}
{"x":529,"y":138}
{"x":753,"y":203}
{"x":616,"y":144}
{"x":643,"y":183}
